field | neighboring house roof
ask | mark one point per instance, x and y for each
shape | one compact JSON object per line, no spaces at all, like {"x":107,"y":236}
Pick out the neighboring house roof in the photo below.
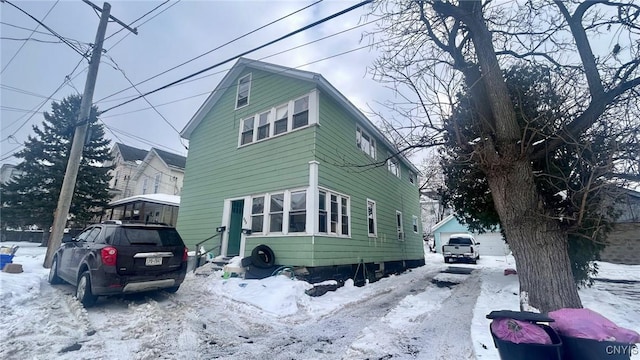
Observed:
{"x":130,"y":153}
{"x":171,"y":159}
{"x":163,"y":199}
{"x":243,"y":63}
{"x":442,"y":223}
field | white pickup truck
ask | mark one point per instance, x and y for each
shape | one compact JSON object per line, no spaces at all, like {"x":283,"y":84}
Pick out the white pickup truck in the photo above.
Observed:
{"x":462,"y":247}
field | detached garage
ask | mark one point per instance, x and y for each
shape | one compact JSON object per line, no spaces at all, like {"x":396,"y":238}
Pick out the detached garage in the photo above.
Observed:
{"x":491,"y":243}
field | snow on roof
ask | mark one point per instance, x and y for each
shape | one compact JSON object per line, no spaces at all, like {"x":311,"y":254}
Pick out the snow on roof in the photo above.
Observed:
{"x":164,"y":199}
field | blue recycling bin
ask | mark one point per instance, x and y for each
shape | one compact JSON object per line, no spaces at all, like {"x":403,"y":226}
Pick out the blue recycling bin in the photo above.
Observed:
{"x":5,"y":259}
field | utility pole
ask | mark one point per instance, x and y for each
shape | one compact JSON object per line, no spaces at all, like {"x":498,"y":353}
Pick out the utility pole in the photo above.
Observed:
{"x":75,"y":155}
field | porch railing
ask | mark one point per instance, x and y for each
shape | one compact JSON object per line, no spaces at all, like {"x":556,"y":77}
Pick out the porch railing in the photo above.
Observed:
{"x":201,"y":250}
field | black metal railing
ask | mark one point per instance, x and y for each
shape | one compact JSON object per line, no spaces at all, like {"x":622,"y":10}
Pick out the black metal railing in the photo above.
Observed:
{"x":204,"y":251}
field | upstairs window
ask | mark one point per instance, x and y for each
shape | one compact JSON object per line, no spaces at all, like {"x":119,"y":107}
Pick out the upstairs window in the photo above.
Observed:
{"x":156,"y":183}
{"x":365,"y":142}
{"x":244,"y":85}
{"x":282,"y":118}
{"x":393,"y":166}
{"x":301,"y":112}
{"x":263,"y":125}
{"x":415,"y":224}
{"x":295,"y":114}
{"x":247,"y":131}
{"x":412,"y":177}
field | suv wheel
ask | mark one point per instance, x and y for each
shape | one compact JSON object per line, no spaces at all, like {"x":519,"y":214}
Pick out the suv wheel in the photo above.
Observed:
{"x":172,"y":289}
{"x":53,"y":272}
{"x":83,"y":291}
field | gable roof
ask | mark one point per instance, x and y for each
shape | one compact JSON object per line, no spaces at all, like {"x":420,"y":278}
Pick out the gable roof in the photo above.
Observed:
{"x":130,"y":153}
{"x":171,"y":159}
{"x":243,"y":63}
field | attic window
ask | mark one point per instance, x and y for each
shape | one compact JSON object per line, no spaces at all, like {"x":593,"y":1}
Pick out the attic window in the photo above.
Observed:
{"x":244,"y":85}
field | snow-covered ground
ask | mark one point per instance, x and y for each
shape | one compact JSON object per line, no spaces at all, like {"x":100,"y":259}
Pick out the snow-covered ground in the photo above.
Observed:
{"x":400,"y":317}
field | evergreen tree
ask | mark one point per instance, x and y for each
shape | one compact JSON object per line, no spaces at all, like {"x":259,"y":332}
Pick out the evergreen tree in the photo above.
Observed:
{"x":565,"y":180}
{"x":31,"y":199}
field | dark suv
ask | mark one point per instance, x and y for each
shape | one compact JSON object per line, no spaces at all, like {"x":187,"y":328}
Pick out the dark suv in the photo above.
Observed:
{"x":114,"y":258}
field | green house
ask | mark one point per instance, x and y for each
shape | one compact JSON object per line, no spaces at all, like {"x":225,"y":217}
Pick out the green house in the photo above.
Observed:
{"x":279,"y":157}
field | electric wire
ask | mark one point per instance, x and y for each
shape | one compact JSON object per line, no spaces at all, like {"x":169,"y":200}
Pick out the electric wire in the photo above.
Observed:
{"x":136,"y":20}
{"x":64,"y":40}
{"x":304,"y":28}
{"x":22,"y":91}
{"x":117,"y":67}
{"x":153,"y":17}
{"x":214,"y":49}
{"x":66,"y":79}
{"x":30,"y":35}
{"x":31,"y":39}
{"x":24,"y":28}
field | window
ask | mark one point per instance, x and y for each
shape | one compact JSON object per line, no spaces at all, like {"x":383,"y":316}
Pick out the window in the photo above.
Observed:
{"x":257,"y":214}
{"x":365,"y":142}
{"x":282,"y":118}
{"x":244,"y":85}
{"x":335,"y":210}
{"x":334,"y":214}
{"x":295,"y":114}
{"x":301,"y":112}
{"x":371,"y":217}
{"x":276,"y":212}
{"x":399,"y":225}
{"x":156,"y":183}
{"x":263,"y":125}
{"x":344,"y":216}
{"x":322,"y":212}
{"x":115,"y":179}
{"x":145,"y":184}
{"x":247,"y":131}
{"x":298,"y":211}
{"x":415,"y":224}
{"x":392,"y":165}
{"x":412,"y":177}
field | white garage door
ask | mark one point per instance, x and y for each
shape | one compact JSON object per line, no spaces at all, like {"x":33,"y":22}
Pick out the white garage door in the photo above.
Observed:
{"x":490,"y":243}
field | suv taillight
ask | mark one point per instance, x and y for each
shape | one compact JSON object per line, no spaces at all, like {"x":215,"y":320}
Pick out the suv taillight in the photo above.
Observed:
{"x":109,"y":255}
{"x":185,"y":254}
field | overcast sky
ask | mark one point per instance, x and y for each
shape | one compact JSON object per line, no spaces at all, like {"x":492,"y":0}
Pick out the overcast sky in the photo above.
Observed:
{"x":180,"y":31}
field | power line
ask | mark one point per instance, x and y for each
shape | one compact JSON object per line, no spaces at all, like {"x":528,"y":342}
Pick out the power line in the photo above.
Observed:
{"x":153,"y":17}
{"x":304,"y":28}
{"x":214,"y":49}
{"x":64,"y":40}
{"x":134,"y":21}
{"x":44,"y":101}
{"x":117,"y":67}
{"x":32,"y":32}
{"x":21,"y":91}
{"x":31,"y":39}
{"x":24,"y":28}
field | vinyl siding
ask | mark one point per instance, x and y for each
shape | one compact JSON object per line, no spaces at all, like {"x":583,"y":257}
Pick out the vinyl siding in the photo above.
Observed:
{"x":218,"y":169}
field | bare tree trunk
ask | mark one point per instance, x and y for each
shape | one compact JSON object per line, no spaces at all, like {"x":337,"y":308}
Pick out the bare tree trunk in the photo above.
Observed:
{"x":539,"y":245}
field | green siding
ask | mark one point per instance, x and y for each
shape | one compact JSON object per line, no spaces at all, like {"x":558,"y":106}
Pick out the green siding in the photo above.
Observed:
{"x":343,"y":169}
{"x":217,"y":170}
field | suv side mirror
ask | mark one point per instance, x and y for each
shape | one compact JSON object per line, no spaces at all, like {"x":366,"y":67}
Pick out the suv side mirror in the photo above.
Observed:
{"x":477,"y":243}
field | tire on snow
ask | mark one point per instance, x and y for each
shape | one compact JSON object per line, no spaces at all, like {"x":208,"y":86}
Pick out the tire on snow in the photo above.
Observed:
{"x":263,"y":257}
{"x":83,"y":290}
{"x":53,"y":272}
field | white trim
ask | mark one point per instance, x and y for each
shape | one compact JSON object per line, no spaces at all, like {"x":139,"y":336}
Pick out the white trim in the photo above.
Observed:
{"x":416,"y":228}
{"x":400,"y":229}
{"x":321,"y":83}
{"x":312,"y":119}
{"x":226,"y":220}
{"x":248,"y":91}
{"x":246,"y":214}
{"x":312,"y":199}
{"x":375,"y":218}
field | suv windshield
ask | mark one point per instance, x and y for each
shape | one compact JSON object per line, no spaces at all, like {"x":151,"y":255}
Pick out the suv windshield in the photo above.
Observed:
{"x":149,"y":236}
{"x":459,"y":241}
